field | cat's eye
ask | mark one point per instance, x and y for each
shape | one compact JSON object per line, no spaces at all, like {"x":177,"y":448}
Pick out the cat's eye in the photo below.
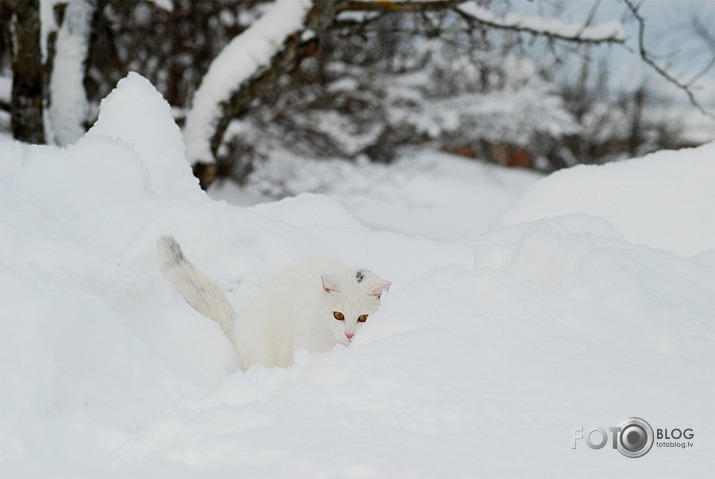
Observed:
{"x":338,"y":315}
{"x":362,"y":318}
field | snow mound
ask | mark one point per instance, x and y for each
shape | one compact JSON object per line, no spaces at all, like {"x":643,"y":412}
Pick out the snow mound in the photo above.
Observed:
{"x":425,"y":193}
{"x":152,"y":133}
{"x":307,"y":210}
{"x":665,"y":200}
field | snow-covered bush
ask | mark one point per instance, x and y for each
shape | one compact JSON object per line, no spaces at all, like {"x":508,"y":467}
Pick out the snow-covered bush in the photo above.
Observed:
{"x":369,"y":83}
{"x":620,"y":123}
{"x":476,"y":101}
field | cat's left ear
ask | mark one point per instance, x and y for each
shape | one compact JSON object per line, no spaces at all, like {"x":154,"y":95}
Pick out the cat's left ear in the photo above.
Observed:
{"x":382,"y":285}
{"x":330,"y":284}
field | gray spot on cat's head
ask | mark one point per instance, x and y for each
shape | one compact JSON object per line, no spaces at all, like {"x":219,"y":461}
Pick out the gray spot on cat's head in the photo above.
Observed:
{"x":359,"y":276}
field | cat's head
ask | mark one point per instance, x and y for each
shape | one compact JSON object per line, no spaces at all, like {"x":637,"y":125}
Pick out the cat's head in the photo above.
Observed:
{"x":347,"y":301}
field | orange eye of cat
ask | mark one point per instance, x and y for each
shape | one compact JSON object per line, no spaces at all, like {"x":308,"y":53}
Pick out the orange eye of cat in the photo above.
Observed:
{"x":362,"y":318}
{"x":338,"y":315}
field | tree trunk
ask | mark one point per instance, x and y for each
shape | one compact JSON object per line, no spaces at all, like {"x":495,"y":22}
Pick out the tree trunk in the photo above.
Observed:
{"x":28,"y":81}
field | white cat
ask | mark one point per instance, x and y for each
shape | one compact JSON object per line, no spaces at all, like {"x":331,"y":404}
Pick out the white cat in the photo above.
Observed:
{"x":314,"y":303}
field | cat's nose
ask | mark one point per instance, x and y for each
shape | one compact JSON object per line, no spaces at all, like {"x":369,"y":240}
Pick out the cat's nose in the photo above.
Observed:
{"x":349,"y":336}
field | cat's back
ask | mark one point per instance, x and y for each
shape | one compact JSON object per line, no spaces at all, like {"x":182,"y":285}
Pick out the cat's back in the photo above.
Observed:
{"x":296,"y":284}
{"x":301,"y":277}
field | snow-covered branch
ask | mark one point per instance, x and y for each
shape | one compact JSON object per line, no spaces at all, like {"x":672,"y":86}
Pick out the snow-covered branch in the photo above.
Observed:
{"x":610,"y":32}
{"x":228,"y":86}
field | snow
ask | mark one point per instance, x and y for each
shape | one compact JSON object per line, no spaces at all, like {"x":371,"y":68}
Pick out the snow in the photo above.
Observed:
{"x":490,"y":349}
{"x":538,"y":112}
{"x":48,"y":23}
{"x":157,"y":151}
{"x":69,"y":106}
{"x":658,"y":212}
{"x":242,"y":57}
{"x":166,"y":5}
{"x":6,"y":89}
{"x":608,"y":31}
{"x":407,"y":197}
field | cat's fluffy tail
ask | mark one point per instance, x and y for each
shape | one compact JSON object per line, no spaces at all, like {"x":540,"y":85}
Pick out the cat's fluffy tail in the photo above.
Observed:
{"x":199,"y":291}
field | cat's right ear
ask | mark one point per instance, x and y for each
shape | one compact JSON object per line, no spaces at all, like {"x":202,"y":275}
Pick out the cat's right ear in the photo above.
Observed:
{"x":381,"y":286}
{"x":330,"y":285}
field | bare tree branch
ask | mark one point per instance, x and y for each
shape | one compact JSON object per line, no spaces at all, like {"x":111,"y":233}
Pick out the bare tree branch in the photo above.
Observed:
{"x":398,"y":6}
{"x":591,"y":14}
{"x":709,"y":40}
{"x":648,"y":59}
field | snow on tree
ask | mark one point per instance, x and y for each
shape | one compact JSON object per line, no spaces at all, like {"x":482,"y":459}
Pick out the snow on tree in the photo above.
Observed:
{"x":346,"y":100}
{"x":69,"y":106}
{"x":271,"y":46}
{"x":550,"y":27}
{"x":243,"y":57}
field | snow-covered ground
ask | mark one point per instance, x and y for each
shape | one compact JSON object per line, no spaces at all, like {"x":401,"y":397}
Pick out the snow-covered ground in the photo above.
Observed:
{"x":591,"y":301}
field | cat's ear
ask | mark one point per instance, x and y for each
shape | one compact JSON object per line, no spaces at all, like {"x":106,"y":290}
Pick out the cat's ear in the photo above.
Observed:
{"x":330,"y":284}
{"x":381,"y":286}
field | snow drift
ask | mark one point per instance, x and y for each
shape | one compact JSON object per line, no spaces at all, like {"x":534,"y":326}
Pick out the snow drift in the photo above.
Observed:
{"x":665,"y":199}
{"x":488,"y":352}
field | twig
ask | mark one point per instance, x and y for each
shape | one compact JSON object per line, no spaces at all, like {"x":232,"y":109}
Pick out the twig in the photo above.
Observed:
{"x":646,"y":57}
